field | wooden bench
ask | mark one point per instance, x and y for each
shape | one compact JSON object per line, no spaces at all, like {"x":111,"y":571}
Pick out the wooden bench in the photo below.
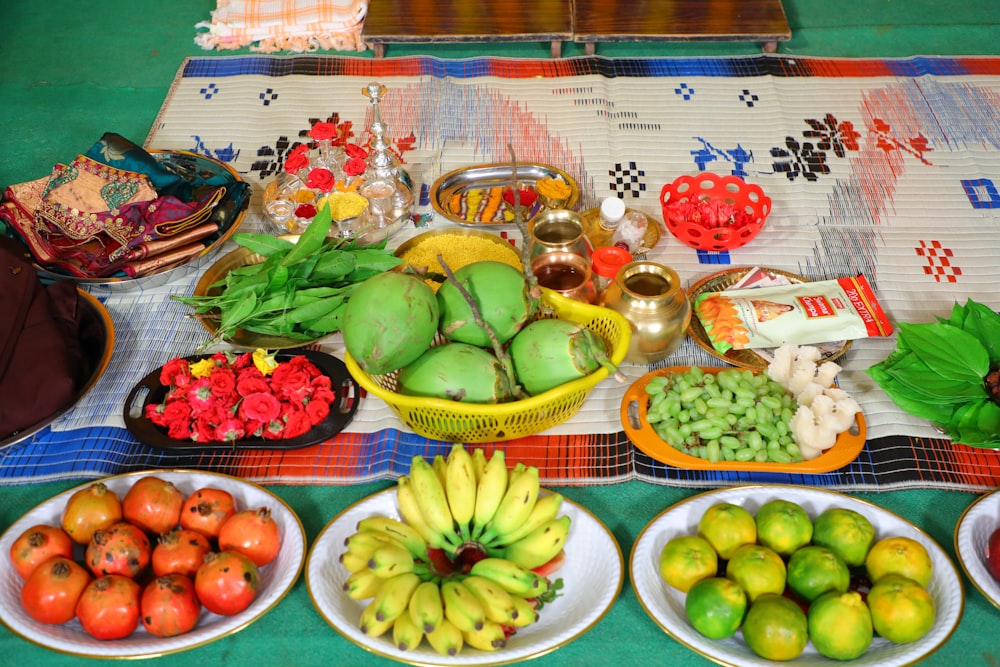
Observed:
{"x":679,"y":21}
{"x":442,"y":21}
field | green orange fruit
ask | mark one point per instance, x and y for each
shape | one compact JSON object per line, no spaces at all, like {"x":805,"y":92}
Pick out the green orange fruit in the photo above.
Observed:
{"x":727,"y":527}
{"x":902,"y":610}
{"x":899,"y":555}
{"x":687,"y":559}
{"x":783,"y":526}
{"x":758,"y":570}
{"x":814,"y":570}
{"x":776,"y":628}
{"x":715,"y":607}
{"x":847,"y":533}
{"x":840,"y":625}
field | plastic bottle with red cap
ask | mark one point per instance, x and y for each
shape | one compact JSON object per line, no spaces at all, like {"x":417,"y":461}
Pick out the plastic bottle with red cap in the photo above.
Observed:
{"x":605,"y":263}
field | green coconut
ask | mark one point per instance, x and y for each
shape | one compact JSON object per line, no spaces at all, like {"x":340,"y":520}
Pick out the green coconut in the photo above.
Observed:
{"x":456,"y":372}
{"x":390,"y":320}
{"x":548,"y":353}
{"x":501,"y":295}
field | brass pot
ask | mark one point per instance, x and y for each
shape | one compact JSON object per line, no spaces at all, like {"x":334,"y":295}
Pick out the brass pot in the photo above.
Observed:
{"x":558,"y":230}
{"x":650,"y":297}
{"x":566,"y":273}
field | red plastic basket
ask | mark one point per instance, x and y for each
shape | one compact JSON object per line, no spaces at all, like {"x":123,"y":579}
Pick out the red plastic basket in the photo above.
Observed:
{"x":748,"y":200}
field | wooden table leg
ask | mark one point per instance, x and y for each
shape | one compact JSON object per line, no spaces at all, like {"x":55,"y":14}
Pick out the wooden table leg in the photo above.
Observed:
{"x":379,"y":50}
{"x":590,"y":48}
{"x":770,"y":47}
{"x":555,"y":49}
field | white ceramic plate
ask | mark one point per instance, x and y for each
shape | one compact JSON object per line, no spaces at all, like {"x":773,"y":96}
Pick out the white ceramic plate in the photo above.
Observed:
{"x":666,"y":604}
{"x":592,"y":576}
{"x":977,"y":522}
{"x":276,"y":578}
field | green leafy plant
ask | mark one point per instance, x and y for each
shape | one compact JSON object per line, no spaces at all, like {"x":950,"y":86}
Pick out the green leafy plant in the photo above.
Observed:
{"x":947,"y":372}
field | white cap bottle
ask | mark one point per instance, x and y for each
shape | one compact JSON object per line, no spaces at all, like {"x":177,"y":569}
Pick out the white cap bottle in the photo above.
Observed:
{"x":612,"y":212}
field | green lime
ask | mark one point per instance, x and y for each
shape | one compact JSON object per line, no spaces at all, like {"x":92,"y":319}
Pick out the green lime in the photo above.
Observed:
{"x":687,"y":559}
{"x":776,"y":628}
{"x":815,"y":570}
{"x":715,"y":607}
{"x":783,"y":526}
{"x":847,"y":533}
{"x":840,"y":625}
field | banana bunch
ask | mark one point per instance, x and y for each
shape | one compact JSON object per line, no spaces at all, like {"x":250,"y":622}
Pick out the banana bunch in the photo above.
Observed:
{"x":458,"y":568}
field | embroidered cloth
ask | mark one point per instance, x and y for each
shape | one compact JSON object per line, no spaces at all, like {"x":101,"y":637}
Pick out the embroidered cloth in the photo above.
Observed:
{"x":282,"y":25}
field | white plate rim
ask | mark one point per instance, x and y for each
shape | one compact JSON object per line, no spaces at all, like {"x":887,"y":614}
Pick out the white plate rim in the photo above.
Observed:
{"x":277,"y":578}
{"x":328,"y":545}
{"x":651,"y":591}
{"x":969,"y":548}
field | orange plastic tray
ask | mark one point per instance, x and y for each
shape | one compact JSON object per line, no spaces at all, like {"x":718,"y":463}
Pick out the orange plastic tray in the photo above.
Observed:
{"x":641,"y":433}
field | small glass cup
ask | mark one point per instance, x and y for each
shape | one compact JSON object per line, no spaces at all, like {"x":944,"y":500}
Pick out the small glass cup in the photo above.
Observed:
{"x":379,"y":193}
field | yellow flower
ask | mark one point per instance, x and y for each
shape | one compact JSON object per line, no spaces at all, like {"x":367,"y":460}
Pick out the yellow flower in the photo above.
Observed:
{"x":203,"y":368}
{"x":264,"y":361}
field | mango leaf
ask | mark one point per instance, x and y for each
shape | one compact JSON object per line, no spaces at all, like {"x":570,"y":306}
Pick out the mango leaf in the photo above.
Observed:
{"x":311,"y":240}
{"x":947,"y":350}
{"x":264,"y":245}
{"x":333,"y":265}
{"x":931,"y":410}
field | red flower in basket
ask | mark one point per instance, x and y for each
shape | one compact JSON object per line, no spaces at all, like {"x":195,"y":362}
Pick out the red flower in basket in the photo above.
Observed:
{"x":321,"y":179}
{"x":229,"y":397}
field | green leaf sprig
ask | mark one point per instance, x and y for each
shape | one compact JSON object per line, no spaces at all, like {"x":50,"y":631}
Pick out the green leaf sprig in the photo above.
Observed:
{"x":300,"y":289}
{"x":938,"y":372}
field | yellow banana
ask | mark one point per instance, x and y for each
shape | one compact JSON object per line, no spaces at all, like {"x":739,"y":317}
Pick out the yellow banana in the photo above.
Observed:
{"x":431,"y":499}
{"x":362,"y":584}
{"x":515,"y":507}
{"x":426,"y":609}
{"x":490,"y":637}
{"x":440,"y":465}
{"x":513,"y":578}
{"x":353,"y":562}
{"x":393,"y":597}
{"x":405,"y":635}
{"x":461,"y":607}
{"x":526,"y":612}
{"x":389,"y":560}
{"x":540,"y":545}
{"x":518,"y":468}
{"x":410,"y":511}
{"x":460,"y":488}
{"x":497,"y":603}
{"x":369,"y":625}
{"x":446,"y":639}
{"x":479,"y":462}
{"x":489,"y":492}
{"x":406,"y":535}
{"x":546,"y":508}
{"x":364,"y":542}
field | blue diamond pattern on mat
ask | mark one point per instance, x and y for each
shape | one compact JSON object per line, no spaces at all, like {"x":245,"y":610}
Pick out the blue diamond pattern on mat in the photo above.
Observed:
{"x":748,"y":98}
{"x":209,"y":91}
{"x":626,"y":180}
{"x":684,"y":91}
{"x":268,"y":96}
{"x":982,"y":192}
{"x":709,"y":257}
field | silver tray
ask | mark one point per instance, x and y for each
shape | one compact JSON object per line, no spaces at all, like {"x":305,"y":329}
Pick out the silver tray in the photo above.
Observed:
{"x":484,"y":177}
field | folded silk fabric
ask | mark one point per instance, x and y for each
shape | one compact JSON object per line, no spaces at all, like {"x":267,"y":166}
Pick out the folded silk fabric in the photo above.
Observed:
{"x":282,"y":25}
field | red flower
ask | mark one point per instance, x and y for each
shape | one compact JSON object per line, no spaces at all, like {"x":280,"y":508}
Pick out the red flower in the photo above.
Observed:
{"x":355,"y":166}
{"x":321,"y":131}
{"x":317,"y":411}
{"x":260,"y":406}
{"x":176,"y":373}
{"x":321,"y":179}
{"x":305,"y":211}
{"x":235,"y":400}
{"x":353,"y":150}
{"x":297,"y":159}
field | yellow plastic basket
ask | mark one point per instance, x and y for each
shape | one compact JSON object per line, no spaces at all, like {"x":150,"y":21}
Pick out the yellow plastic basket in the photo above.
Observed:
{"x":454,"y":421}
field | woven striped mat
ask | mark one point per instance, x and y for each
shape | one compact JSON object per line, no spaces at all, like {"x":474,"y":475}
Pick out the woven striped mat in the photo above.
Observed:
{"x":882,"y":167}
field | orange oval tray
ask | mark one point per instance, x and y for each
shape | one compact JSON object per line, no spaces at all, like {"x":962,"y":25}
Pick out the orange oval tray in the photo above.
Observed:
{"x":641,"y":433}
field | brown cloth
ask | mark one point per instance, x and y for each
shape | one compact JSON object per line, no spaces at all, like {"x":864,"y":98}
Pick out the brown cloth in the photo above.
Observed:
{"x":41,"y":356}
